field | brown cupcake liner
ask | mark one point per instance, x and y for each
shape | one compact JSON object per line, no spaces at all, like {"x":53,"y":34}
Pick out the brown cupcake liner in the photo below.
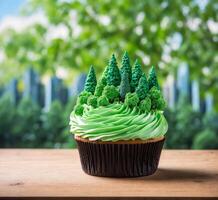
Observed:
{"x":121,"y":159}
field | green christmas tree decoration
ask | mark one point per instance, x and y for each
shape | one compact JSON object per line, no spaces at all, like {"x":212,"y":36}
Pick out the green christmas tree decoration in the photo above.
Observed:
{"x":83,"y":97}
{"x":103,"y":101}
{"x":79,"y":110}
{"x":104,"y":76}
{"x":111,"y":92}
{"x":131,"y":100}
{"x":124,"y":85}
{"x":152,"y":79}
{"x":136,"y":75}
{"x":145,"y":105}
{"x":157,"y":100}
{"x":113,"y":72}
{"x":126,"y":67}
{"x":92,"y":101}
{"x":91,"y":81}
{"x":99,"y":89}
{"x":142,"y":88}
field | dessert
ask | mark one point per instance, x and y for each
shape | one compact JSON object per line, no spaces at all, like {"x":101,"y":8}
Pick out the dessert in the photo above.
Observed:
{"x":118,"y":121}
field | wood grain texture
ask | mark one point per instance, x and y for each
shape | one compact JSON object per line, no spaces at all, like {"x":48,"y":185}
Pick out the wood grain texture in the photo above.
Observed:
{"x":57,"y":173}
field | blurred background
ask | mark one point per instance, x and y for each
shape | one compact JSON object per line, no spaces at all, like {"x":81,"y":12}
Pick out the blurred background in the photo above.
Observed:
{"x":46,"y":48}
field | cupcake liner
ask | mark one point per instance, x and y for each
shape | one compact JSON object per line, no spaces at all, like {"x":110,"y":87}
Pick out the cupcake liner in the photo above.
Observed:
{"x":119,"y":159}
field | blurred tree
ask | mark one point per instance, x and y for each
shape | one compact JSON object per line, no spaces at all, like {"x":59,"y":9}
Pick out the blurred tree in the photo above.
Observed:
{"x":27,"y":126}
{"x":160,"y":32}
{"x":7,"y":120}
{"x":54,"y":125}
{"x":184,"y":125}
{"x":207,"y":138}
{"x":70,"y":142}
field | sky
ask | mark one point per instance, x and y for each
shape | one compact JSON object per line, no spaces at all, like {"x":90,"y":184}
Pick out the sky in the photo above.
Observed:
{"x":10,"y":7}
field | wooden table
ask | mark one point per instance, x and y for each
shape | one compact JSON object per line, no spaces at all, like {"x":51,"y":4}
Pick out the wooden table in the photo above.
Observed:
{"x":57,"y":174}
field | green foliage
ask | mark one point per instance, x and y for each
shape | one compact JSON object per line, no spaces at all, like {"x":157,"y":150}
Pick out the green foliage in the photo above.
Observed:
{"x":157,"y":100}
{"x":207,"y":139}
{"x":103,"y":101}
{"x":110,"y":92}
{"x":7,"y":120}
{"x":136,"y":75}
{"x":145,"y":105}
{"x":104,"y":76}
{"x":124,"y":85}
{"x":131,"y":100}
{"x":91,"y":81}
{"x":29,"y":120}
{"x":142,"y":88}
{"x":113,"y":72}
{"x":126,"y":67}
{"x":152,"y":79}
{"x":184,"y":125}
{"x":79,"y":109}
{"x":83,"y":97}
{"x":99,"y":88}
{"x":82,"y":100}
{"x":92,"y":101}
{"x":53,"y":125}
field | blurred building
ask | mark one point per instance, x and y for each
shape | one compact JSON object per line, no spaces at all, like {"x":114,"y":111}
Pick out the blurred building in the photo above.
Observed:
{"x":209,"y":103}
{"x":55,"y":90}
{"x":195,"y":95}
{"x":12,"y":90}
{"x":41,"y":99}
{"x":170,"y":91}
{"x":64,"y":94}
{"x":183,"y":81}
{"x":32,"y":86}
{"x":78,"y":85}
{"x":1,"y":91}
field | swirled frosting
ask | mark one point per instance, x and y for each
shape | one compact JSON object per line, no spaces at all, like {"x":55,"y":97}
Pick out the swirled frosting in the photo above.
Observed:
{"x":118,"y":122}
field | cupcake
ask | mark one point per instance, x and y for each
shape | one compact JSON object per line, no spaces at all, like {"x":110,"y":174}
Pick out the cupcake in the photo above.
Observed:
{"x":118,"y":122}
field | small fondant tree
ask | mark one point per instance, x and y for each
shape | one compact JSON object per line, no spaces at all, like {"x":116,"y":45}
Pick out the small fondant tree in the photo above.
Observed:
{"x":131,"y":100}
{"x":142,"y":88}
{"x":152,"y":79}
{"x":103,"y":101}
{"x":157,"y":99}
{"x":83,"y":97}
{"x":111,"y":92}
{"x":145,"y":105}
{"x":91,"y":81}
{"x":104,"y":76}
{"x":124,"y":85}
{"x":136,"y":75}
{"x":126,"y":67}
{"x":99,"y":88}
{"x":113,"y":72}
{"x":92,"y":101}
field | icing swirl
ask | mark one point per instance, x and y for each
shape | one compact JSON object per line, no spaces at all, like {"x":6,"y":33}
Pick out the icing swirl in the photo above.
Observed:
{"x":118,"y":122}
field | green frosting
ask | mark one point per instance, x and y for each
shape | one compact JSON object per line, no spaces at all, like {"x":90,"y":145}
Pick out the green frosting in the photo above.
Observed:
{"x":118,"y":122}
{"x":123,"y":105}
